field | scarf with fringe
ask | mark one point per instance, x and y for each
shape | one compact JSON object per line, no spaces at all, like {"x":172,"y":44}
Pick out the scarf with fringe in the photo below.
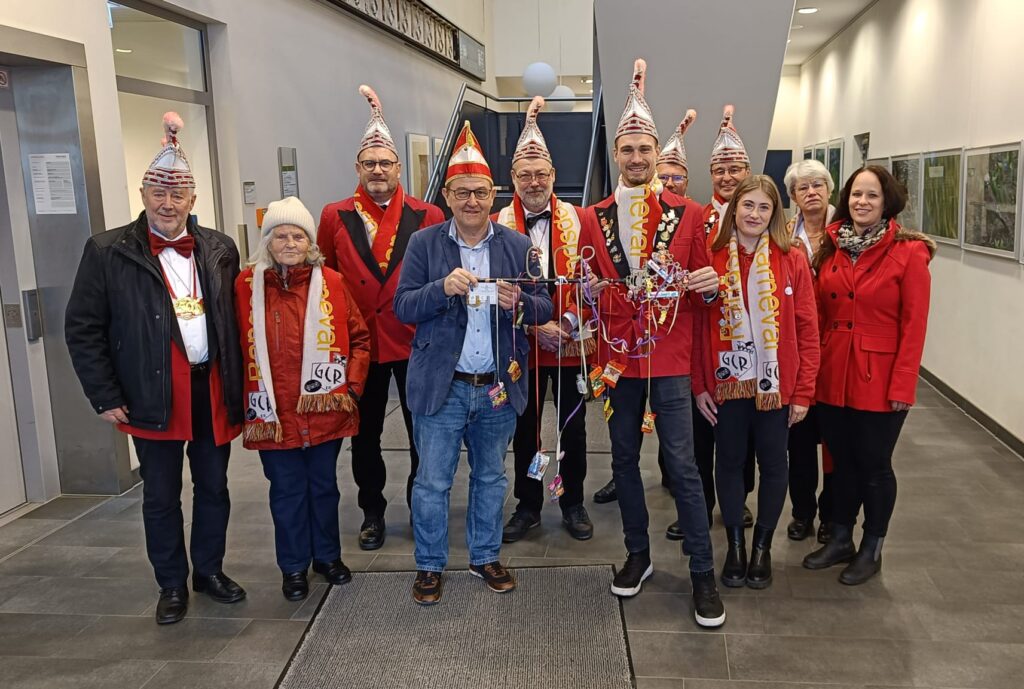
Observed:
{"x":325,"y":353}
{"x":746,"y":343}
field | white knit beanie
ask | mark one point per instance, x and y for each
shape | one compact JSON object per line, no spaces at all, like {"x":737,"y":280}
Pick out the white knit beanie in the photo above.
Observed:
{"x":289,"y":211}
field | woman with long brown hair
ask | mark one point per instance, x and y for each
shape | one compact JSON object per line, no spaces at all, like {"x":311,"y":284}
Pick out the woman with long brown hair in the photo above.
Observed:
{"x":759,"y":367}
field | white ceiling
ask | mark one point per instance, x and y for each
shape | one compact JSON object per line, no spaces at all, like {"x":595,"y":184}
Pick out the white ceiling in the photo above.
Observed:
{"x":818,"y":28}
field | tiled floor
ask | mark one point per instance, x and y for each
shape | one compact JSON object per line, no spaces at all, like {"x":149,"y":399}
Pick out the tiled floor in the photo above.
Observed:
{"x":77,"y":594}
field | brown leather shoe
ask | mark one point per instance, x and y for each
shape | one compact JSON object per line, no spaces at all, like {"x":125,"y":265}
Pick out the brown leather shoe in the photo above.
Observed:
{"x":498,"y":579}
{"x":427,"y":589}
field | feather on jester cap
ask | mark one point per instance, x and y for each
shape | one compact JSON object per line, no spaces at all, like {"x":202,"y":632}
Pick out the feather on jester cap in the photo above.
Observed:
{"x":377,"y":132}
{"x":674,"y":151}
{"x":170,"y":168}
{"x":468,"y":158}
{"x":637,"y":117}
{"x":728,"y":146}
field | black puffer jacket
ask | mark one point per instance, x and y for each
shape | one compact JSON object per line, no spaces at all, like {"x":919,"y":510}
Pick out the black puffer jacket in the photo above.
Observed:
{"x":119,"y":322}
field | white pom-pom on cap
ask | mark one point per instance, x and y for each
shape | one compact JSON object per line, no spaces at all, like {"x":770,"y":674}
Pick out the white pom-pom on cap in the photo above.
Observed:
{"x":172,"y":125}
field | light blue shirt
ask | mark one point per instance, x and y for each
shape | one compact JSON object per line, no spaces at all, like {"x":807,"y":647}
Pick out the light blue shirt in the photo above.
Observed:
{"x":477,"y":353}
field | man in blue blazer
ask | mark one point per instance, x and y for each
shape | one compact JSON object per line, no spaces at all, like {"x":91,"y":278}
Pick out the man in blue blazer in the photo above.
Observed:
{"x":465,"y":380}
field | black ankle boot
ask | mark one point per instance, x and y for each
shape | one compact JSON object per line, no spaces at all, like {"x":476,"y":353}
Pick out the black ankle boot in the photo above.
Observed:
{"x":734,"y":573}
{"x":759,"y":572}
{"x":866,"y":564}
{"x":839,"y":549}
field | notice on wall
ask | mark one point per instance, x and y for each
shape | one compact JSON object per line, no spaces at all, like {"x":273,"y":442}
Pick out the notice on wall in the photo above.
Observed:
{"x":52,"y":186}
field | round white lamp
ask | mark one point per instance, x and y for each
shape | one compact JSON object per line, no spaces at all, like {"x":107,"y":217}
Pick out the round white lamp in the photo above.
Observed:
{"x":561,"y":91}
{"x":539,"y":79}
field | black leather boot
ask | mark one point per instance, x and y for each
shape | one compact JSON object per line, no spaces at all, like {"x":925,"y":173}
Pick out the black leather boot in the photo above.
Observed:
{"x":734,"y":572}
{"x":759,"y":572}
{"x":839,"y":549}
{"x":866,"y":564}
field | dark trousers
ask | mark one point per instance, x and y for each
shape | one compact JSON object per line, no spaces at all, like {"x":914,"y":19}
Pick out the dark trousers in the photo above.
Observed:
{"x":528,"y":491}
{"x":804,"y":438}
{"x":738,"y":420}
{"x":161,"y":463}
{"x":304,"y":501}
{"x":704,"y":452}
{"x":670,"y":400}
{"x":862,"y":443}
{"x":368,"y":468}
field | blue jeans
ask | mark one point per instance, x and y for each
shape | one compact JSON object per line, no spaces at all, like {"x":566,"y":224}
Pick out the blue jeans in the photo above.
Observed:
{"x":466,"y":416}
{"x":304,"y":504}
{"x":670,"y":400}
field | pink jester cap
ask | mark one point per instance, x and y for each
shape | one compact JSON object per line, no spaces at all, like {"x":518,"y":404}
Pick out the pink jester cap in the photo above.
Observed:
{"x":377,"y":132}
{"x":728,"y":146}
{"x":531,"y":141}
{"x":674,"y":151}
{"x":170,"y":168}
{"x":637,"y":117}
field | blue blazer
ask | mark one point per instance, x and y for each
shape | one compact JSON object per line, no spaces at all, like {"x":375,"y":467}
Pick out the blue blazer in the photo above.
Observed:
{"x":441,"y":320}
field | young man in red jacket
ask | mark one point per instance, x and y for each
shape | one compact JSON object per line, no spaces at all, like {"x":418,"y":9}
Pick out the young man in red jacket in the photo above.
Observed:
{"x":554,"y":228}
{"x":625,"y":231}
{"x":364,"y":238}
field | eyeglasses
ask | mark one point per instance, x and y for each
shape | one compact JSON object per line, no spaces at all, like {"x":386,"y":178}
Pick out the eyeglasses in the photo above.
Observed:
{"x":674,"y":178}
{"x":816,"y":185}
{"x":732,"y":171}
{"x":385,"y":165}
{"x":527,"y":177}
{"x":480,"y":193}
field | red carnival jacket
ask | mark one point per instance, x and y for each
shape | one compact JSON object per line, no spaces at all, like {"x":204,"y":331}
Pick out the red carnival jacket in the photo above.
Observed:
{"x":286,"y":313}
{"x":345,"y":245}
{"x":873,"y":316}
{"x":672,"y":350}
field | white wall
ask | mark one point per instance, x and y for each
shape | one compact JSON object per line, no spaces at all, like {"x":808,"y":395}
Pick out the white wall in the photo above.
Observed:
{"x":925,"y":75}
{"x":559,"y":33}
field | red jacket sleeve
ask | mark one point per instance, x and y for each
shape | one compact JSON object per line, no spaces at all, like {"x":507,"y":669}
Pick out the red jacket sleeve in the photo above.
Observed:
{"x":433,"y":216}
{"x":325,"y":238}
{"x":915,"y":297}
{"x":700,"y":257}
{"x":358,"y":346}
{"x":807,"y":341}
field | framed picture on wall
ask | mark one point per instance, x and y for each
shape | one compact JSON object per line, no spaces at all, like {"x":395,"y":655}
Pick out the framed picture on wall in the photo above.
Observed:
{"x":835,"y":168}
{"x":437,"y":153}
{"x":808,"y":153}
{"x":940,"y":195}
{"x":992,"y":200}
{"x":820,"y":153}
{"x":907,"y":169}
{"x":881,"y":162}
{"x":417,"y":151}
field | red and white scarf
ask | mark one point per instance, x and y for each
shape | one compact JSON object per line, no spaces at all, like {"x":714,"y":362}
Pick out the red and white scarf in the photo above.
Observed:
{"x":746,"y":343}
{"x":381,"y":223}
{"x":325,"y":354}
{"x":639,"y":212}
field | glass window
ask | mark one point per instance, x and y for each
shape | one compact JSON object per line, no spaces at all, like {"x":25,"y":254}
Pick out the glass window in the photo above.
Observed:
{"x":154,"y":49}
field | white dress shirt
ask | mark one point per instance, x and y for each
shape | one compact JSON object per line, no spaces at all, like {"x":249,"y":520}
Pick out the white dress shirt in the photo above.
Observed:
{"x":179,"y":271}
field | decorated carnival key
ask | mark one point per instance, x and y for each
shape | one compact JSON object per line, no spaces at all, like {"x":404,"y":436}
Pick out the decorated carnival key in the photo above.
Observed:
{"x":556,"y":488}
{"x":498,"y":395}
{"x":648,"y":423}
{"x":612,"y":371}
{"x":515,"y":372}
{"x":538,"y":465}
{"x":596,"y":384}
{"x":608,"y":411}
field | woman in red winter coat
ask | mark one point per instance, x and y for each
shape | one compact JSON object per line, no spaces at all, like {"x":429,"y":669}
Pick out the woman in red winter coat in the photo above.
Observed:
{"x":873,"y":295}
{"x":760,"y":362}
{"x":306,"y":350}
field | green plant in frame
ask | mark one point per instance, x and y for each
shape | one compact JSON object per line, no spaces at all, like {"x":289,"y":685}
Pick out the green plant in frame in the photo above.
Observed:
{"x":835,"y":170}
{"x":908,"y":172}
{"x":991,"y":200}
{"x":941,"y":202}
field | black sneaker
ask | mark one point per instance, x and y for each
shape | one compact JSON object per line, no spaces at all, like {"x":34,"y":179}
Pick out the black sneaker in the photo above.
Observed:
{"x":707,"y":604}
{"x":577,"y":522}
{"x":518,"y":525}
{"x":606,"y":493}
{"x":631,"y":577}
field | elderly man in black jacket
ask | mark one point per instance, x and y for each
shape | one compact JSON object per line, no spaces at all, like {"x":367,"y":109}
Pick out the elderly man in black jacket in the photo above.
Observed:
{"x":152,"y":335}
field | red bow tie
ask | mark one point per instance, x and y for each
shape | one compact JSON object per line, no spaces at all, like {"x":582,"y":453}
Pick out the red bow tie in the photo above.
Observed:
{"x":183,"y":246}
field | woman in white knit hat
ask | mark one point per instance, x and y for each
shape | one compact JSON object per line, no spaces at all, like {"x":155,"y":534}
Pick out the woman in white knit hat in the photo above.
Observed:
{"x":306,"y":350}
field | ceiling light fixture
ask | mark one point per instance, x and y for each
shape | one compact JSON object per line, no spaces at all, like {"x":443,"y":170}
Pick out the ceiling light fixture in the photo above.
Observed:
{"x":586,"y":80}
{"x":795,"y":27}
{"x":807,"y":10}
{"x":122,"y":50}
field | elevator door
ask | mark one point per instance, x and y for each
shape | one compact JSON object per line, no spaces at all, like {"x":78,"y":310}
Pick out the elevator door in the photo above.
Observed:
{"x":12,"y":480}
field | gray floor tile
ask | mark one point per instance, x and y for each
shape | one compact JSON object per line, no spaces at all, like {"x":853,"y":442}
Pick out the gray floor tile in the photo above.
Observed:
{"x":741,"y":684}
{"x":12,"y":585}
{"x":70,"y":595}
{"x":65,"y":507}
{"x":970,"y":621}
{"x":967,"y":665}
{"x":121,"y":508}
{"x":263,"y":601}
{"x":864,"y":619}
{"x":140,"y":638}
{"x":673,"y":612}
{"x":979,"y":586}
{"x":659,"y":683}
{"x":816,"y":660}
{"x":310,"y":605}
{"x":125,"y":563}
{"x":59,"y":560}
{"x":669,"y":655}
{"x":39,"y":635}
{"x":902,"y":585}
{"x":23,"y":531}
{"x":264,"y":641}
{"x":215,"y":676}
{"x":101,"y":533}
{"x":57,"y":673}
